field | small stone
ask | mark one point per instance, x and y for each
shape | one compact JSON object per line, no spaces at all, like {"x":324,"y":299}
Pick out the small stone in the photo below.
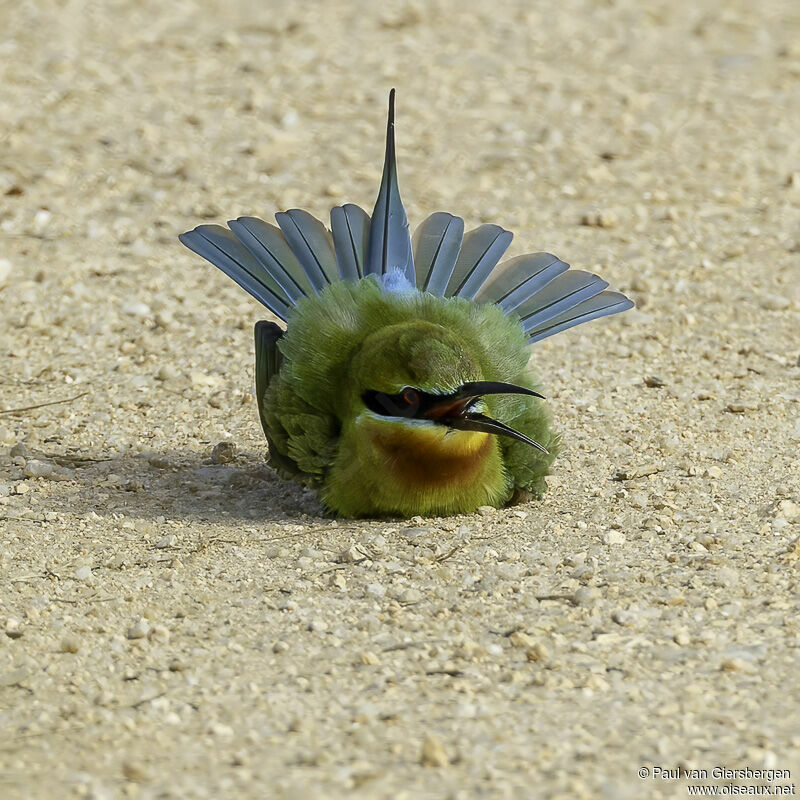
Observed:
{"x":338,"y":581}
{"x":368,"y":658}
{"x":133,"y":771}
{"x":375,"y":589}
{"x":19,"y":450}
{"x":223,"y":453}
{"x":5,"y":270}
{"x":280,"y":647}
{"x":522,"y":639}
{"x":713,"y":472}
{"x":733,"y":665}
{"x":139,"y":629}
{"x":136,"y":309}
{"x":614,"y":538}
{"x":739,"y":407}
{"x":681,"y":638}
{"x":167,"y":373}
{"x":318,"y":626}
{"x":600,"y":219}
{"x":653,"y":382}
{"x":351,"y":555}
{"x":38,"y":469}
{"x":487,"y":511}
{"x":408,"y":596}
{"x":13,"y":630}
{"x":586,"y":596}
{"x":176,"y":665}
{"x":537,"y":653}
{"x":414,"y":533}
{"x":22,"y":488}
{"x":775,"y":302}
{"x":636,"y":472}
{"x":624,"y":618}
{"x":167,"y":541}
{"x":433,"y":753}
{"x":84,"y":574}
{"x":41,"y":219}
{"x":69,"y":644}
{"x":788,"y":509}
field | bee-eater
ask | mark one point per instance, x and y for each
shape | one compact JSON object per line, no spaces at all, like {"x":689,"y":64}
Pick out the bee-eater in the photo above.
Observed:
{"x":400,"y":385}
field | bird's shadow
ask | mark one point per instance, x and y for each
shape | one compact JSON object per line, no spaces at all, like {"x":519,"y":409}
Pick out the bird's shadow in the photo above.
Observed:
{"x":173,"y":485}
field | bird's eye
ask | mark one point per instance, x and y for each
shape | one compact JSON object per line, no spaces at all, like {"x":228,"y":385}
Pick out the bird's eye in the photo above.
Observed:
{"x":405,"y":403}
{"x":411,"y":397}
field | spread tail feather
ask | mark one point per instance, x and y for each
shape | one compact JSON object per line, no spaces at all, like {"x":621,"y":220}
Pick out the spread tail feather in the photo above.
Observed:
{"x":389,"y":238}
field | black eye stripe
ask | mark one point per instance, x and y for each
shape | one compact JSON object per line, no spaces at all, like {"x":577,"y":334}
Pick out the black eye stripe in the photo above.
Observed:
{"x":405,"y":403}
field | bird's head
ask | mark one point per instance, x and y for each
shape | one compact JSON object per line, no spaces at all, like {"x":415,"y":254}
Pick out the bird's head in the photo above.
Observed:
{"x":422,"y":404}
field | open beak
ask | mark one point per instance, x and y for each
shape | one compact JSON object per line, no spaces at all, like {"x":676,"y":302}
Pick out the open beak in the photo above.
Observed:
{"x":453,"y":409}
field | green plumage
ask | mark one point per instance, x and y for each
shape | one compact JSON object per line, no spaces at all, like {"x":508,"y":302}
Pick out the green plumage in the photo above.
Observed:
{"x":355,"y":337}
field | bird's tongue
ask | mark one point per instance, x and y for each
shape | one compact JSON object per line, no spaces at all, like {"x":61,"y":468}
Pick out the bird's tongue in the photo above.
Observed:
{"x":448,"y":408}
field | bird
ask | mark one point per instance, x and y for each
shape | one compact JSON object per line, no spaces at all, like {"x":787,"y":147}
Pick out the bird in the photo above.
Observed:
{"x":400,"y":385}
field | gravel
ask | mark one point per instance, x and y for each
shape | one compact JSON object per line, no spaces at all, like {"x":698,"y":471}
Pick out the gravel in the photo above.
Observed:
{"x":178,"y":622}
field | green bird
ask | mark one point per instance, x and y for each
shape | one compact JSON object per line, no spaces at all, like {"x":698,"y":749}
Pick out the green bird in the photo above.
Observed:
{"x":401,"y":384}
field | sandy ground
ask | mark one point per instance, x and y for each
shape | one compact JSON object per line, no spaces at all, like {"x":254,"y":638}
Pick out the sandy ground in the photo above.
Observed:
{"x":174,"y":627}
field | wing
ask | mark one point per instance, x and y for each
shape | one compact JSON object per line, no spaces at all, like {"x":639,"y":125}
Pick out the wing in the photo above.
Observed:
{"x":268,"y":362}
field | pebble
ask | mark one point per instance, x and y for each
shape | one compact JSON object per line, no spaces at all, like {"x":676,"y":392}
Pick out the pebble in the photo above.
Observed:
{"x":139,"y":629}
{"x":167,"y":373}
{"x":134,"y":309}
{"x":654,"y":382}
{"x":408,"y":595}
{"x":614,"y":538}
{"x":414,"y":533}
{"x":5,"y":270}
{"x":84,"y":574}
{"x":370,"y":659}
{"x":375,"y":589}
{"x":433,"y":753}
{"x":19,"y":449}
{"x":351,"y":555}
{"x":537,"y":653}
{"x":600,"y":219}
{"x":733,"y":665}
{"x":521,"y":639}
{"x":133,"y":771}
{"x":624,"y":618}
{"x":38,"y":469}
{"x":636,"y":472}
{"x":69,"y":644}
{"x":13,"y":630}
{"x":167,"y":541}
{"x":223,"y":453}
{"x":280,"y":646}
{"x":788,"y":509}
{"x":775,"y":302}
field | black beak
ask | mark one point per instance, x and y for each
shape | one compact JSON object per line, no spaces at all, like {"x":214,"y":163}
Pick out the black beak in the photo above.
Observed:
{"x":468,"y":420}
{"x":452,"y":409}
